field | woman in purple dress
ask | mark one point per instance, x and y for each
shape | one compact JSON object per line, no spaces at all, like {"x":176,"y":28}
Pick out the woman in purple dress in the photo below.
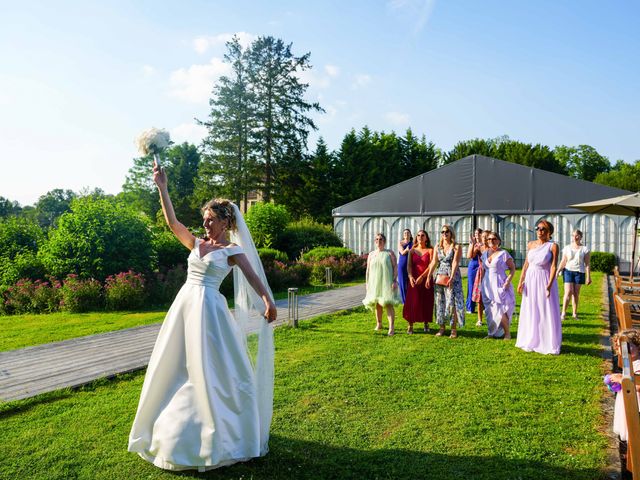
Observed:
{"x":540,"y":327}
{"x":404,"y":247}
{"x":502,"y":298}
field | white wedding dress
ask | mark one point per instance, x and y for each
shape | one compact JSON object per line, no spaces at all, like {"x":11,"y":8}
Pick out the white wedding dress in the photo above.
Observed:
{"x":202,"y":404}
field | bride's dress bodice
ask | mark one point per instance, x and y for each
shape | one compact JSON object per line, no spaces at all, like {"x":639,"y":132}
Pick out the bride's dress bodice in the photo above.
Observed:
{"x":210,"y":269}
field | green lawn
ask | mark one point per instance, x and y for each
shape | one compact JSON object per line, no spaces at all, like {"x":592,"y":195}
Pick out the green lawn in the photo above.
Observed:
{"x":19,"y":331}
{"x":351,"y":403}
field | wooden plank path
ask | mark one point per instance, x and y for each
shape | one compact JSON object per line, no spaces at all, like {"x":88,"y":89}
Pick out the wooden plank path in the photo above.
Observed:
{"x":70,"y":363}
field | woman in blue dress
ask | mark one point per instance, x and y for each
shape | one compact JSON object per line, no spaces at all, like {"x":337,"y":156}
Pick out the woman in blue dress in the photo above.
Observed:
{"x":473,"y":254}
{"x":404,"y":247}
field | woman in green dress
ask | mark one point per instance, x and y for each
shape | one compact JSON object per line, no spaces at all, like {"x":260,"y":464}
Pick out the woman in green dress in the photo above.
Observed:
{"x":382,"y":284}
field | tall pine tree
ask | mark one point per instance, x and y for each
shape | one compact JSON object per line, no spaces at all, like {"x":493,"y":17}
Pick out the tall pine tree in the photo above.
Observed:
{"x":281,"y":112}
{"x":230,"y":168}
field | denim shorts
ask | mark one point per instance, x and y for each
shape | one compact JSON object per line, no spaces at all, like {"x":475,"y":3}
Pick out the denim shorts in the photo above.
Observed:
{"x":573,"y":277}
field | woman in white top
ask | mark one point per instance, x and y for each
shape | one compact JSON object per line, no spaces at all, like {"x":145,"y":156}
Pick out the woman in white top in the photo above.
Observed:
{"x":576,"y":271}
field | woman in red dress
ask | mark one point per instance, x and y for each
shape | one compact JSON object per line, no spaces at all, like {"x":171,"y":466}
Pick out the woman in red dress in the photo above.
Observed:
{"x":418,"y":306}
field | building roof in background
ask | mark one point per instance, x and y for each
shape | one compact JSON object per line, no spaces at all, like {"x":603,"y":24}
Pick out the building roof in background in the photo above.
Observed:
{"x":479,"y":185}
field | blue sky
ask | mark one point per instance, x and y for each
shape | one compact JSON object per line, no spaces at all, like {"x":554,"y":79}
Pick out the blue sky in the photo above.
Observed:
{"x":79,"y":80}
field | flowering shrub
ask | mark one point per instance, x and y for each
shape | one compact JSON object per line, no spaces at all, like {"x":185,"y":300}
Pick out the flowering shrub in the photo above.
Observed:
{"x":46,"y":296}
{"x":162,"y":288}
{"x":282,"y":276}
{"x":18,"y":297}
{"x":80,"y":295}
{"x":342,"y":269}
{"x":124,"y":291}
{"x":28,"y":296}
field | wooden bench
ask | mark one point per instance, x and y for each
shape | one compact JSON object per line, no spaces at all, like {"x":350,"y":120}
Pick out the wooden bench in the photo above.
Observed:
{"x":632,"y":415}
{"x":625,"y":286}
{"x":627,"y":311}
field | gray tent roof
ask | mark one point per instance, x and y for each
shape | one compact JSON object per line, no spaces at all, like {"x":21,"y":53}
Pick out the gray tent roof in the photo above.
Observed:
{"x":479,"y":185}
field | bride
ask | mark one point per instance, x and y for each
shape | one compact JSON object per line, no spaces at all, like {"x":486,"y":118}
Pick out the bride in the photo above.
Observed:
{"x":203,"y":403}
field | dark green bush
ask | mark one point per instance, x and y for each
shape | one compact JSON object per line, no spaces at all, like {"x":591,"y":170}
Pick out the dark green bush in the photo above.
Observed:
{"x":20,"y":239}
{"x":266,"y":221}
{"x":270,"y":255}
{"x":97,"y":238}
{"x":304,"y":235}
{"x":320,"y":253}
{"x":80,"y":295}
{"x":602,"y":262}
{"x":25,"y":264}
{"x":168,"y":250}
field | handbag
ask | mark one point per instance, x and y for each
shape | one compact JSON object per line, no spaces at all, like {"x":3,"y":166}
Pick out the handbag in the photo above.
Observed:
{"x":442,"y":280}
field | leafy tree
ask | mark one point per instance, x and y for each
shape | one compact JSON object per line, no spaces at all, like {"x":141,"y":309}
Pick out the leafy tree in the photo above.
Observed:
{"x":9,"y":207}
{"x":582,"y":162}
{"x":622,"y":175}
{"x":281,"y":112}
{"x":230,"y":167}
{"x":53,"y":204}
{"x":97,"y":238}
{"x":289,"y":182}
{"x":503,"y":148}
{"x":266,"y":222}
{"x":369,"y":161}
{"x":181,"y":163}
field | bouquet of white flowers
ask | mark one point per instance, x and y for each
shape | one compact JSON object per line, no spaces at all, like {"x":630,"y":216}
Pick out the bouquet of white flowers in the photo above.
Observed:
{"x":153,"y":141}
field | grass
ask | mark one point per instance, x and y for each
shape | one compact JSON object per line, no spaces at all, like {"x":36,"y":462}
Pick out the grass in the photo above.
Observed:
{"x":19,"y":331}
{"x":351,"y":403}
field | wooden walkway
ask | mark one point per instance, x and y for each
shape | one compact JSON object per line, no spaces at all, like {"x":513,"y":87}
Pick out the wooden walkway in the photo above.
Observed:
{"x":34,"y":370}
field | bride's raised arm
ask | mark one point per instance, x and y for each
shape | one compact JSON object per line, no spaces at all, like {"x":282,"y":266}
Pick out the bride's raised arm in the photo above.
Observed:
{"x":179,"y":230}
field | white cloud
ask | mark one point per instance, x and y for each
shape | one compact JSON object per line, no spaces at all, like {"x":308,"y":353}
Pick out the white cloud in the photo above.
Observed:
{"x":361,"y":80}
{"x":332,"y":70}
{"x":148,"y":70}
{"x":203,"y":43}
{"x":194,"y":84}
{"x":397,"y":119}
{"x":188,"y":132}
{"x":319,"y":80}
{"x":419,"y":11}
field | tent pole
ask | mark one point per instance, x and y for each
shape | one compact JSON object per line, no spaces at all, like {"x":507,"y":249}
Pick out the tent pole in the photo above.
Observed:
{"x":633,"y":252}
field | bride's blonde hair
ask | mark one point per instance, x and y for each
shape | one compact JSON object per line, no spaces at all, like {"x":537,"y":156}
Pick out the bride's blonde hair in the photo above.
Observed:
{"x":221,"y":208}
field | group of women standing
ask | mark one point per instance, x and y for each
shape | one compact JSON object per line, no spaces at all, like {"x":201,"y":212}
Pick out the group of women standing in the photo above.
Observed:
{"x":425,"y":277}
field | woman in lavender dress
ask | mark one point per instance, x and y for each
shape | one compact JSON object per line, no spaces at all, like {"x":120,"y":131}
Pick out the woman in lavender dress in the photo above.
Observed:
{"x":404,"y":247}
{"x":540,"y":328}
{"x":503,"y":299}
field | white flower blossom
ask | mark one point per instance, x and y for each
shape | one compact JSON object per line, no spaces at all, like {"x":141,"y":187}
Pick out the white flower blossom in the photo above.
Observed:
{"x":153,"y":141}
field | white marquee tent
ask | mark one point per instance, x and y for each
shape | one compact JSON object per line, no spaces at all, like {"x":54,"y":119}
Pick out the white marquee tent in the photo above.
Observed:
{"x":491,"y":194}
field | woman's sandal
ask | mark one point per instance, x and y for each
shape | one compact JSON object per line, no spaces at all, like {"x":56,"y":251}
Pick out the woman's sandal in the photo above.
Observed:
{"x":440,"y":333}
{"x":454,"y":334}
{"x":391,"y":333}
